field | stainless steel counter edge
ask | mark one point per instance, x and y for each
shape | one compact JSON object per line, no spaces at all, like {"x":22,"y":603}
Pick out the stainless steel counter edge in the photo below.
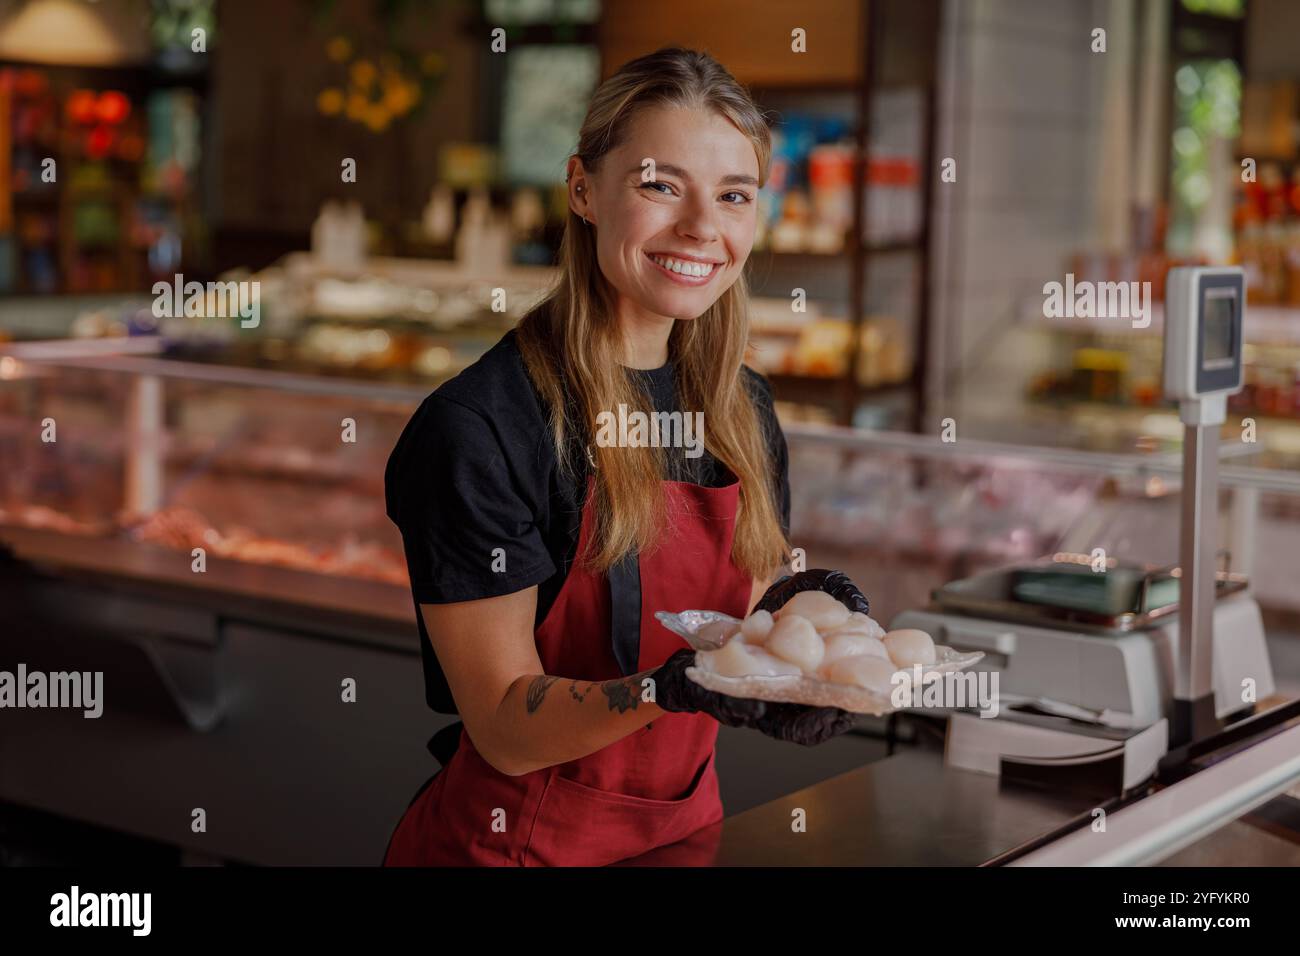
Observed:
{"x":1154,"y":828}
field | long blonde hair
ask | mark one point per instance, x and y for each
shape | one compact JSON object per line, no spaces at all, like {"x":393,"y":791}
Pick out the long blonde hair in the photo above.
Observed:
{"x":572,"y":343}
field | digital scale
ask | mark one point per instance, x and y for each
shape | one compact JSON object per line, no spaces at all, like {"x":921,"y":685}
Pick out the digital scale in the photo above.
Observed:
{"x":1119,"y":650}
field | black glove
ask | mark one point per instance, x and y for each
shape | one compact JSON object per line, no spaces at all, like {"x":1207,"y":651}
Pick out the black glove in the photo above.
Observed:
{"x":801,"y":723}
{"x":834,"y":583}
{"x":677,"y":693}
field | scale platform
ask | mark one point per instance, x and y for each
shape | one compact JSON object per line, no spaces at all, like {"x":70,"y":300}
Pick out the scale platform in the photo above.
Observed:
{"x":1070,"y":594}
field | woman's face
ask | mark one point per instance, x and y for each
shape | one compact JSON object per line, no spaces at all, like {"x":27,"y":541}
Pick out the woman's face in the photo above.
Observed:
{"x":672,"y":244}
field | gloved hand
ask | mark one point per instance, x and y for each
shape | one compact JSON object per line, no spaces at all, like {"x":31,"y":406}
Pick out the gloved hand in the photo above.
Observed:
{"x":800,"y":723}
{"x":677,"y":693}
{"x":796,"y":723}
{"x":834,"y":583}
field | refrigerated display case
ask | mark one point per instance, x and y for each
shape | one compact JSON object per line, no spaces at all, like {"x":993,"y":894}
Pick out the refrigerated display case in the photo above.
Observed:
{"x":251,"y":465}
{"x":908,"y":513}
{"x":271,"y":467}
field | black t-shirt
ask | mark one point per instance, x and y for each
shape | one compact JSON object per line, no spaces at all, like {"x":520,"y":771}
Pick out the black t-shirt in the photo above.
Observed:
{"x":475,"y":487}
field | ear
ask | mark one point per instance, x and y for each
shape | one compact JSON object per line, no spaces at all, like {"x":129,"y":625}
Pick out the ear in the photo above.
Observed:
{"x":579,"y":185}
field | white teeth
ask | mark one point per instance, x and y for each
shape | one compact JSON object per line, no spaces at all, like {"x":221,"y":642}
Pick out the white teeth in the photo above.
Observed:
{"x":684,"y":267}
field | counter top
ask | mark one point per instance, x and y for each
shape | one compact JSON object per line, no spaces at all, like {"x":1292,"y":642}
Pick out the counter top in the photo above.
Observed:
{"x":906,"y":810}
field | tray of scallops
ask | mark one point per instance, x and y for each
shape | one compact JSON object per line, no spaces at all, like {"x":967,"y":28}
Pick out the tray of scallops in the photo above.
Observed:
{"x":811,"y":651}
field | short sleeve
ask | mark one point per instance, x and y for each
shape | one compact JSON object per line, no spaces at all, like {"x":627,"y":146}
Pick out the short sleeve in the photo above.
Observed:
{"x":779,"y":451}
{"x":463,"y":498}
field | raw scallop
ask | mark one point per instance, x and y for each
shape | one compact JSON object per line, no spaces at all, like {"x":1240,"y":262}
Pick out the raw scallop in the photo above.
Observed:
{"x":793,"y":638}
{"x":738,"y":659}
{"x":818,"y":607}
{"x":858,"y":624}
{"x":841,"y":645}
{"x":756,"y":627}
{"x":909,"y":646}
{"x":870,"y":673}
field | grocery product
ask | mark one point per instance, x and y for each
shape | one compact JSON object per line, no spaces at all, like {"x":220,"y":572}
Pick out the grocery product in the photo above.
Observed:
{"x":783,"y":658}
{"x":816,"y":606}
{"x":738,"y":659}
{"x":869,"y":673}
{"x":796,"y":640}
{"x":908,"y":647}
{"x":814,"y":636}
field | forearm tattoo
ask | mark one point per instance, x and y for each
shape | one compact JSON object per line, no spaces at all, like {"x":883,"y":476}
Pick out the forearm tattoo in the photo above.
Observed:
{"x":537,"y":691}
{"x":621,"y":695}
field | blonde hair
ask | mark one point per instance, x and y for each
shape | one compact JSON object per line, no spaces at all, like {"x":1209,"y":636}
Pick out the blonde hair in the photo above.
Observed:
{"x":572,"y":343}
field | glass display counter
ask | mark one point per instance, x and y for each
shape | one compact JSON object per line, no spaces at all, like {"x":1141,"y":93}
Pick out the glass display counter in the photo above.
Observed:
{"x":903,"y":514}
{"x":258,"y":466}
{"x":270,"y":467}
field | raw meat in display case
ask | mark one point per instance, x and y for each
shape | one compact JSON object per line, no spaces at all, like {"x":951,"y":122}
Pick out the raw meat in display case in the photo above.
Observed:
{"x":257,"y":467}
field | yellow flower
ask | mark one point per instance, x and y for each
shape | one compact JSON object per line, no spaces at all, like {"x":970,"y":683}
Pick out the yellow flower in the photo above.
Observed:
{"x":363,"y":74}
{"x":398,"y":98}
{"x":338,"y":49}
{"x":357,"y":106}
{"x":377,"y":118}
{"x":329,"y":101}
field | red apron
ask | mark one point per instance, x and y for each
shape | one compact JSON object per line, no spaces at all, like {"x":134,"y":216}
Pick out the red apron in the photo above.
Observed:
{"x":654,"y":787}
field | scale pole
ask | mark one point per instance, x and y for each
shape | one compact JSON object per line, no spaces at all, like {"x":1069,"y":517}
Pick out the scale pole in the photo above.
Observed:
{"x":1194,"y":708}
{"x":1205,"y":311}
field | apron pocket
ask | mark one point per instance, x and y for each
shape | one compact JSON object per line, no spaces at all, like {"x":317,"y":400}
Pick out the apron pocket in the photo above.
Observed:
{"x":578,"y":825}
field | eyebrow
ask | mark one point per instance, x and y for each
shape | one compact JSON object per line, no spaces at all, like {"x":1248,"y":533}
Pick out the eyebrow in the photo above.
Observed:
{"x":735,"y":179}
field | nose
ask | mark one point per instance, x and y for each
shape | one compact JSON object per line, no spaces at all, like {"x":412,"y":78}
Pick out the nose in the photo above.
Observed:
{"x":697,"y":220}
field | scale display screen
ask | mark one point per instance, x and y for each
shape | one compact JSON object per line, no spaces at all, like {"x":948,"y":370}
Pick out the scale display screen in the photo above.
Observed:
{"x":1205,"y":315}
{"x":1219,"y":329}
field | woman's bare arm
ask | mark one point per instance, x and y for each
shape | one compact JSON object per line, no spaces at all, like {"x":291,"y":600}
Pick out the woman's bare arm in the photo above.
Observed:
{"x":520,"y":718}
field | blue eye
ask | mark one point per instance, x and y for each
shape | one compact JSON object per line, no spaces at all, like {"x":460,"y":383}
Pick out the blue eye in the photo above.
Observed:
{"x":653,"y":183}
{"x":744,"y":198}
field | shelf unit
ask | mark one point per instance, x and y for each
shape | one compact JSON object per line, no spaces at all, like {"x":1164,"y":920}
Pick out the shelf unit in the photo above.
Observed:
{"x":881,"y":69}
{"x":121,"y":192}
{"x":855,"y":50}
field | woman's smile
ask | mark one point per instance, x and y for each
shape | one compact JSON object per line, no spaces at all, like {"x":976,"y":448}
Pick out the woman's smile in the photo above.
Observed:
{"x":685,"y":270}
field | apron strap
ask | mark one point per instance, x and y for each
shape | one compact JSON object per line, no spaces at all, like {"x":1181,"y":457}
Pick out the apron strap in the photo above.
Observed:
{"x":625,"y":612}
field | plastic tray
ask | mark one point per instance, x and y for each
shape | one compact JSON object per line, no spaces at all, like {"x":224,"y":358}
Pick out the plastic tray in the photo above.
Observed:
{"x":791,"y":689}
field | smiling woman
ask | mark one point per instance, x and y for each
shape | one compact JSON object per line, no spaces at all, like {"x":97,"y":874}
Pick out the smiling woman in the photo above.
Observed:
{"x":662,"y":191}
{"x":537,"y":576}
